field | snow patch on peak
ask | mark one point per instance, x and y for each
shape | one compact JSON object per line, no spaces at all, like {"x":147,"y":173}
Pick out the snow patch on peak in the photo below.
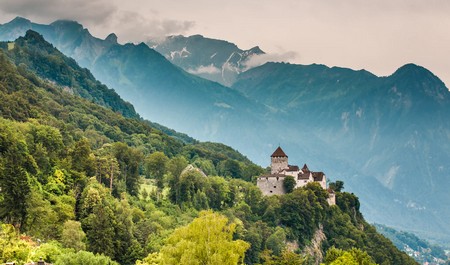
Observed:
{"x":181,"y":54}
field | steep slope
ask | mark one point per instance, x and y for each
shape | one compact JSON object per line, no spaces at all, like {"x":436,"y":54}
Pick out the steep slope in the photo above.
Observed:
{"x":85,"y":106}
{"x":420,"y":249}
{"x":393,"y":128}
{"x":216,"y":60}
{"x":33,"y":53}
{"x":160,"y":91}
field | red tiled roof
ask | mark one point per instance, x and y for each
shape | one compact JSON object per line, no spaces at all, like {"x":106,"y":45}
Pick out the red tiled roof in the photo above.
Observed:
{"x":279,"y":153}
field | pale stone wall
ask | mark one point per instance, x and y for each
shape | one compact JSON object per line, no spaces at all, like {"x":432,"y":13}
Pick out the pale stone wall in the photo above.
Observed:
{"x":291,"y":173}
{"x":323,"y":183}
{"x":303,"y":182}
{"x":331,"y":199}
{"x":271,"y":185}
{"x":278,"y":164}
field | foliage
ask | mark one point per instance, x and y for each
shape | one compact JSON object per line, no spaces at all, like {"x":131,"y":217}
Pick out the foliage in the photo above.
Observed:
{"x":207,"y":240}
{"x":73,"y":236}
{"x":337,"y":186}
{"x":155,"y":166}
{"x":11,"y":247}
{"x":82,"y":258}
{"x":277,"y":241}
{"x":289,"y":184}
{"x":49,"y":252}
{"x":286,"y":258}
{"x":353,"y":256}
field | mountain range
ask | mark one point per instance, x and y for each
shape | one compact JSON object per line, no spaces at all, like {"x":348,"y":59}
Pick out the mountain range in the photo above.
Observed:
{"x":386,"y":137}
{"x":212,"y":59}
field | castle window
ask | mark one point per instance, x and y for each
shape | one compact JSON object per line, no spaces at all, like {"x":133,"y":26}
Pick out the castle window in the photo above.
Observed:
{"x":270,"y":191}
{"x":275,"y":187}
{"x":305,"y":181}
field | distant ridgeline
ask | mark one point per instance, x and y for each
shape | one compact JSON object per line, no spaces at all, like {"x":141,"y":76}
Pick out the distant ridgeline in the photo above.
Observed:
{"x":274,"y":183}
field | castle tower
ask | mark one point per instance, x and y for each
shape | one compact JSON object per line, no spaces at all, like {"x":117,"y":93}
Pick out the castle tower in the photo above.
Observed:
{"x":279,"y":161}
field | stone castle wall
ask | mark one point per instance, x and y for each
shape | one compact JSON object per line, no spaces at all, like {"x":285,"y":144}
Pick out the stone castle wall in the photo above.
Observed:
{"x":271,"y":185}
{"x":278,"y":164}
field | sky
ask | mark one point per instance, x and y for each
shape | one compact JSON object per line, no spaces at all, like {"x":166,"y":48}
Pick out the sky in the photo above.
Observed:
{"x":377,"y":35}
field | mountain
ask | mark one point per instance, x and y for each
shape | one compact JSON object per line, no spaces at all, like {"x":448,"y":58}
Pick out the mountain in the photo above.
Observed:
{"x":393,"y":128}
{"x":215,"y":60}
{"x":352,"y":125}
{"x":75,"y":177}
{"x":35,"y":86}
{"x":159,"y":90}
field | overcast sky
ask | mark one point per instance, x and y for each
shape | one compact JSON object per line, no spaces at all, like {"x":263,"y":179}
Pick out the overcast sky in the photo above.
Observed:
{"x":378,"y":36}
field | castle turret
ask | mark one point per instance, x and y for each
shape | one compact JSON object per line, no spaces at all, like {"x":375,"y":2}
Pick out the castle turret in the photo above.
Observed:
{"x":279,"y":161}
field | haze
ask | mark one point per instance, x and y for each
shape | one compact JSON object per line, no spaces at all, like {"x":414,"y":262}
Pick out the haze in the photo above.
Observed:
{"x":378,"y":36}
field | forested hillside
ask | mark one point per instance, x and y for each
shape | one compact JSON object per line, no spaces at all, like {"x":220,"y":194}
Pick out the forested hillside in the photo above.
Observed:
{"x":82,"y":184}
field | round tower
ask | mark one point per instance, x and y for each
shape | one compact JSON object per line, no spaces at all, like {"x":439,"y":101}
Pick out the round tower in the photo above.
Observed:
{"x":279,"y":161}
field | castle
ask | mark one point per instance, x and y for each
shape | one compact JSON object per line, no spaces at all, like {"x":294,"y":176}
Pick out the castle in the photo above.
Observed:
{"x":272,"y":184}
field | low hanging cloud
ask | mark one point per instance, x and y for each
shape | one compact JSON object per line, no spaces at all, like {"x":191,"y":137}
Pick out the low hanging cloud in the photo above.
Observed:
{"x":101,"y":17}
{"x":134,"y":27}
{"x":209,"y":69}
{"x":260,"y":59}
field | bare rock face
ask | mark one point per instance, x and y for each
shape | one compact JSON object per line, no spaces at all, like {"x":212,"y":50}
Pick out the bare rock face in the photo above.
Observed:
{"x":315,"y":248}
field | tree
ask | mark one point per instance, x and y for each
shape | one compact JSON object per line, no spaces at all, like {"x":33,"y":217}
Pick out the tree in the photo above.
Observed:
{"x":83,"y":258}
{"x":286,"y":258}
{"x":155,"y":166}
{"x":16,"y":164}
{"x":73,"y":236}
{"x":107,"y":167}
{"x":49,"y":252}
{"x":277,"y":241}
{"x":82,"y":161}
{"x":98,"y":219}
{"x":189,"y":184}
{"x":129,"y":160}
{"x":354,"y":256}
{"x":231,"y":168}
{"x":289,"y":184}
{"x":207,"y":240}
{"x":217,"y":192}
{"x":175,"y":166}
{"x":11,"y":247}
{"x":337,"y":186}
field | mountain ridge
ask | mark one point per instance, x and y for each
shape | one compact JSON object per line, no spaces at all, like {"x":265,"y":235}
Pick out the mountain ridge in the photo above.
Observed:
{"x":364,"y":113}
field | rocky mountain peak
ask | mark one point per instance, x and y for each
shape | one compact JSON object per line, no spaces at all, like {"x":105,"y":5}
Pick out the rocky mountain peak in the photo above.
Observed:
{"x":112,"y":38}
{"x":18,"y":21}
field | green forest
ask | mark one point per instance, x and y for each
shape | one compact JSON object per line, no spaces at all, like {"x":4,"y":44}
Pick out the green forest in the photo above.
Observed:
{"x":84,"y":180}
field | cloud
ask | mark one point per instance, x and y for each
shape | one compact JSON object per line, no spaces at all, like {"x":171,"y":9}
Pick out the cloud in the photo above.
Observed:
{"x":209,"y":69}
{"x":260,"y":59}
{"x":134,"y":27}
{"x":101,"y":17}
{"x":88,"y":12}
